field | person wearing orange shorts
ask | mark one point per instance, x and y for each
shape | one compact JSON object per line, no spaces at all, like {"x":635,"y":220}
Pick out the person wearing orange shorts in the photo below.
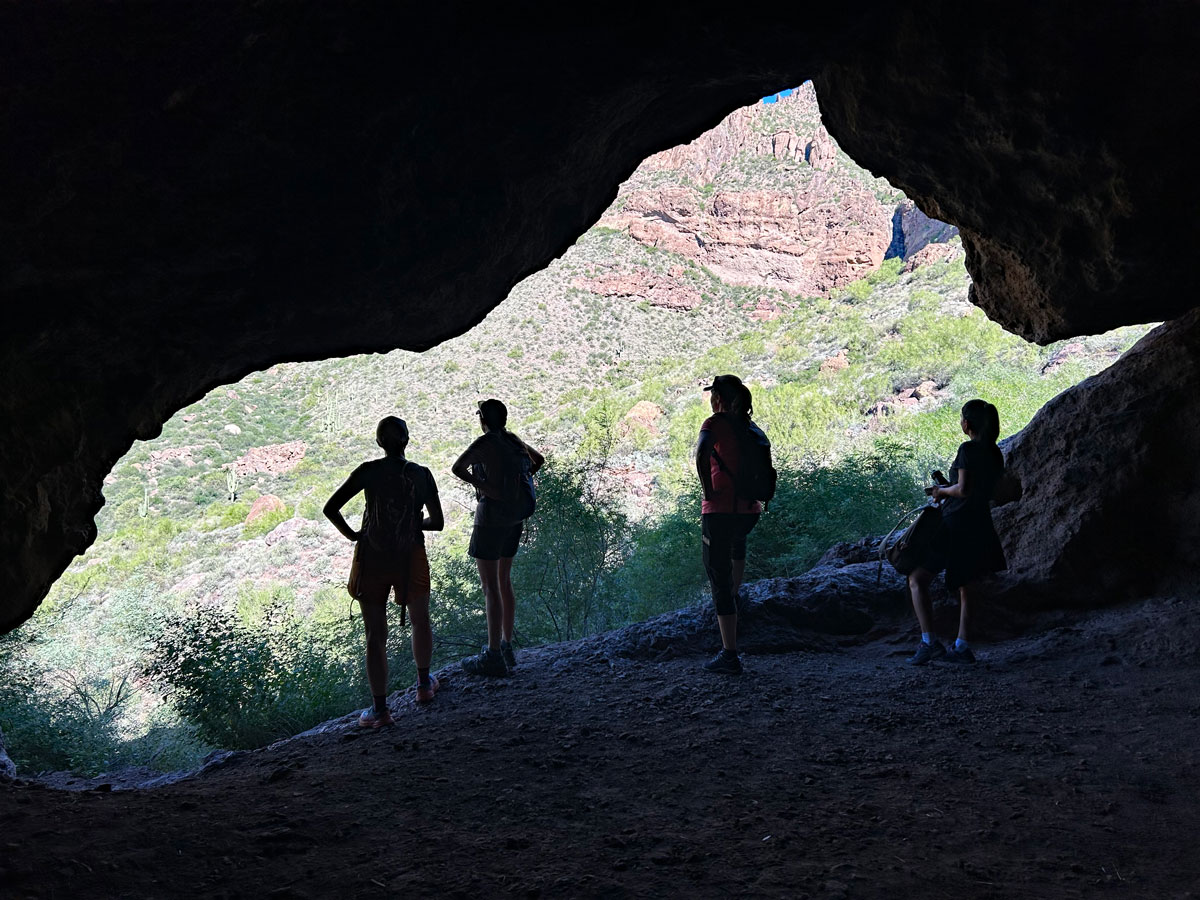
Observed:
{"x":391,"y":555}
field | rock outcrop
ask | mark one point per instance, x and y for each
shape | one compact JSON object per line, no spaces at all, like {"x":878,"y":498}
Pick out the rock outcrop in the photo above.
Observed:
{"x":830,"y":232}
{"x":825,"y":230}
{"x":1111,"y":486}
{"x":190,"y":194}
{"x":665,"y":291}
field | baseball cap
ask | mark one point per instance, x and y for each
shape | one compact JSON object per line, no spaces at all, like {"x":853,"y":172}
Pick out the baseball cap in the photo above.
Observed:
{"x":725,"y":385}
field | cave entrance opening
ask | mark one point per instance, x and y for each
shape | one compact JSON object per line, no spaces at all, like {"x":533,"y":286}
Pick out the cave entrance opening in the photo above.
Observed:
{"x":760,"y":249}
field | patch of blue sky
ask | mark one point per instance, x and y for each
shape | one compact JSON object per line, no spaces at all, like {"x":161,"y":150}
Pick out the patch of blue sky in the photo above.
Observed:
{"x":774,"y":98}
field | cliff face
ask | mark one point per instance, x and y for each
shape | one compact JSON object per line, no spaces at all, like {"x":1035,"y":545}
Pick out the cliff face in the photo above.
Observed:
{"x":187,"y":195}
{"x":806,"y":243}
{"x":806,"y":221}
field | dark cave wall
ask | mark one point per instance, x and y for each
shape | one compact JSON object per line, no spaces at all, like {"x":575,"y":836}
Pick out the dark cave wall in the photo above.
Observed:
{"x":188,"y":194}
{"x":1074,"y":123}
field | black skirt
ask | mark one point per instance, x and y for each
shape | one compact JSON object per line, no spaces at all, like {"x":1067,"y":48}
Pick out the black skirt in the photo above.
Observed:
{"x":968,"y":548}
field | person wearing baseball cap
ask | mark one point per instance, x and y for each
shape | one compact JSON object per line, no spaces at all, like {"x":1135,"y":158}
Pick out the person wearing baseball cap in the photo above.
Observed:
{"x":726,"y":518}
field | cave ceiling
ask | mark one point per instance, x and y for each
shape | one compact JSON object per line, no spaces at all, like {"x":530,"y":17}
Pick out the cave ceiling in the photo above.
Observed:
{"x":192,"y":192}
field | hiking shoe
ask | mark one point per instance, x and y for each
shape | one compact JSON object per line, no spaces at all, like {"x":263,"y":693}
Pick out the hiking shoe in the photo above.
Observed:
{"x":489,"y":662}
{"x":425,"y":692}
{"x":510,"y":658}
{"x":927,"y":653}
{"x":724,"y":664}
{"x":371,"y":719}
{"x":960,"y":656}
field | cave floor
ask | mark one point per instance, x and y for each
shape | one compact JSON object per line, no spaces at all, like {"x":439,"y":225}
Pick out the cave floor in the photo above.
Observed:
{"x":1062,"y":765}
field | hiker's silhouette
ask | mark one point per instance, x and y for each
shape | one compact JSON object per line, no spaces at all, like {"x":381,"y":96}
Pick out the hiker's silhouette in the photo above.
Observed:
{"x":390,"y":554}
{"x":498,"y":464}
{"x":728,"y":512}
{"x":966,"y":545}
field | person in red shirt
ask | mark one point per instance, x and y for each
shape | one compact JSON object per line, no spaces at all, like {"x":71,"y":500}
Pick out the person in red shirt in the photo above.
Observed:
{"x":726,"y":519}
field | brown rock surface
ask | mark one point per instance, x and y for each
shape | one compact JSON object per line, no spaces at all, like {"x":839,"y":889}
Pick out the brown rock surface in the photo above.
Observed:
{"x":830,"y":232}
{"x":932,"y":253}
{"x":190,"y":194}
{"x":1111,"y":485}
{"x":657,"y":290}
{"x":264,"y":505}
{"x":274,"y":459}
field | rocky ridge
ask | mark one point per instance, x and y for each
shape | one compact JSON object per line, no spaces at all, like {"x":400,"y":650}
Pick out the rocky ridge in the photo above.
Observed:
{"x":804,"y":218}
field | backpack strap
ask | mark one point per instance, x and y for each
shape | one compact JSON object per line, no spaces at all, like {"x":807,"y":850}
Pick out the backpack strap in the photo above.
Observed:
{"x":883,"y":545}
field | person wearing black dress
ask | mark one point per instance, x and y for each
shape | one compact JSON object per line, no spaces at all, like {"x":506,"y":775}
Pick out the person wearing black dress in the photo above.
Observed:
{"x":967,"y":546}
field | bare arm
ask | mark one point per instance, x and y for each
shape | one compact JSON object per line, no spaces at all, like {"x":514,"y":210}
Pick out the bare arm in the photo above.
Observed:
{"x":704,"y":464}
{"x":435,"y":521}
{"x":536,"y":458}
{"x":342,"y":496}
{"x":462,"y":470}
{"x":960,"y":488}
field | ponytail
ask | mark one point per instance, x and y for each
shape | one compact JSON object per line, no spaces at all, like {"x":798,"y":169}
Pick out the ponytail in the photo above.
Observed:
{"x":743,"y":404}
{"x":983,"y":419}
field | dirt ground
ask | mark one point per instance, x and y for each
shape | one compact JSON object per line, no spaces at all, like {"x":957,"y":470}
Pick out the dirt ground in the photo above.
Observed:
{"x":1064,"y":764}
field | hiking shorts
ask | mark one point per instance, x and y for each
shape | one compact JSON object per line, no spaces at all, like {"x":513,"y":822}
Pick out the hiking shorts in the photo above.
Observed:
{"x":495,"y":541}
{"x":411,"y":582}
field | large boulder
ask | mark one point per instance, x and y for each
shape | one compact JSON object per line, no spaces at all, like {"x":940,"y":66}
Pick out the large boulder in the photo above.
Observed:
{"x":1111,"y":485}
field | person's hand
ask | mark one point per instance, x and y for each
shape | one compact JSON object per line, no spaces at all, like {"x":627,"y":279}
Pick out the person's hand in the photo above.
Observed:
{"x":936,"y":493}
{"x":357,"y":537}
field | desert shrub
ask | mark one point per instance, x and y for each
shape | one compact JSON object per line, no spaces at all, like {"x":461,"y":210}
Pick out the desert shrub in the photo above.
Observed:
{"x":574,"y":545}
{"x":244,"y":685}
{"x":819,"y":504}
{"x":69,"y":698}
{"x":264,"y":524}
{"x":887,"y":273}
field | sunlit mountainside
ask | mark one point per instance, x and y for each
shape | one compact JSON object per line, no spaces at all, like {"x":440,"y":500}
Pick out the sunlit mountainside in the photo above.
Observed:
{"x":759,"y":249}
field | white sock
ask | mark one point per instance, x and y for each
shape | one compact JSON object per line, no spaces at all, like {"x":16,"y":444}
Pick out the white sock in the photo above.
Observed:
{"x":960,"y":644}
{"x":927,"y":637}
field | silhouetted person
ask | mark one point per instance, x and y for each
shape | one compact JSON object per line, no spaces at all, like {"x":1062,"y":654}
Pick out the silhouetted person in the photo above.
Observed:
{"x":494,"y":464}
{"x":967,"y":546}
{"x":726,"y":518}
{"x":391,"y":554}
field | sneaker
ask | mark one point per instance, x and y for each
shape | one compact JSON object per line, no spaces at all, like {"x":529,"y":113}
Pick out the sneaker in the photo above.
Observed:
{"x":724,"y":664}
{"x":510,"y":658}
{"x":960,"y":656}
{"x":927,"y":653}
{"x":371,"y":719}
{"x":425,"y":692}
{"x":489,"y":662}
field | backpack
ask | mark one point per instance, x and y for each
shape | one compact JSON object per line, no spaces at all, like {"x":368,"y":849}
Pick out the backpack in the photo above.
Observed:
{"x":392,"y":518}
{"x":516,"y":485}
{"x":756,"y":477}
{"x":912,"y":547}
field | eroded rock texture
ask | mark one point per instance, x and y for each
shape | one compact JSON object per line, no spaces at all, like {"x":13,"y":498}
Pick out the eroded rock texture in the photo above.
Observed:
{"x":191,"y":193}
{"x":1110,"y":478}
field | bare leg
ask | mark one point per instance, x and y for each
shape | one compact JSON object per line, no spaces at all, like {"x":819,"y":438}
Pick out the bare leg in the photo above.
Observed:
{"x":508,"y":600}
{"x":374,"y":613}
{"x":489,"y":577}
{"x":728,"y":626}
{"x":962,"y":613}
{"x":422,"y":632}
{"x":918,"y":584}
